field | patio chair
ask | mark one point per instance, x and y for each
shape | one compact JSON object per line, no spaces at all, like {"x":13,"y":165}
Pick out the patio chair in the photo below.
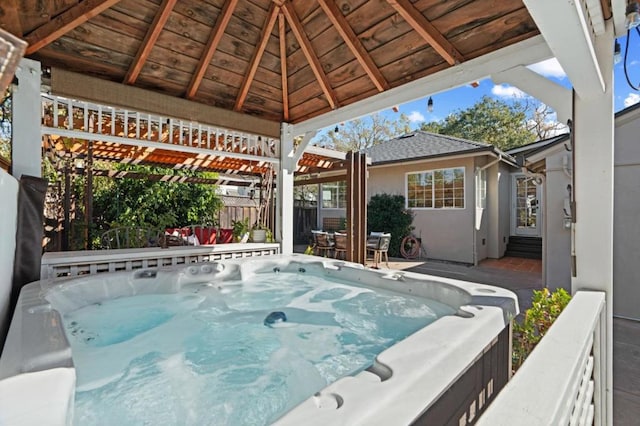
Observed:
{"x":130,"y":237}
{"x":324,"y":244}
{"x":340,"y":241}
{"x":380,"y":248}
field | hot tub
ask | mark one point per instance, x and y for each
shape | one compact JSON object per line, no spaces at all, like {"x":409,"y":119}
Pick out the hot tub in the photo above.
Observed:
{"x":447,"y":371}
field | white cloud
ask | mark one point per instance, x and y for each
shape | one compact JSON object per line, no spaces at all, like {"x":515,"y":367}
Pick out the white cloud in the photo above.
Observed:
{"x":549,"y":68}
{"x":631,"y":99}
{"x":416,"y":117}
{"x":506,"y":91}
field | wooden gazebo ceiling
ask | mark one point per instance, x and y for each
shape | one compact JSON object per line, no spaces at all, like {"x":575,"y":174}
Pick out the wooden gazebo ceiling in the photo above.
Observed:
{"x":283,"y":60}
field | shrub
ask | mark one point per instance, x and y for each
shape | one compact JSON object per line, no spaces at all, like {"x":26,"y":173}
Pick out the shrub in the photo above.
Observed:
{"x":386,"y":213}
{"x":545,"y":308}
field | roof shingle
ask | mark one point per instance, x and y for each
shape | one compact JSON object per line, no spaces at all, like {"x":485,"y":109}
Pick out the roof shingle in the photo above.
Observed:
{"x":422,"y":145}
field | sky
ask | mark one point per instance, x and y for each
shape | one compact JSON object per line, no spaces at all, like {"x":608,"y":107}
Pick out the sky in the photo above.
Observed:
{"x":461,"y":98}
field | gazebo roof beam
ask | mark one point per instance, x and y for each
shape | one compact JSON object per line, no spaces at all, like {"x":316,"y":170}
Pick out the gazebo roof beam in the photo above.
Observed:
{"x":309,"y":53}
{"x":526,"y":52}
{"x":149,"y":40}
{"x":12,"y":22}
{"x":353,"y":42}
{"x":257,"y":56}
{"x":283,"y":67}
{"x":212,"y":44}
{"x":65,"y":22}
{"x":427,"y":31}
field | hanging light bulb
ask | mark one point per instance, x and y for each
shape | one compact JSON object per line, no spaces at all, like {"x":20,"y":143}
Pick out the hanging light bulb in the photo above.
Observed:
{"x":430,"y":104}
{"x":617,"y":56}
{"x":336,"y":130}
{"x":633,"y":14}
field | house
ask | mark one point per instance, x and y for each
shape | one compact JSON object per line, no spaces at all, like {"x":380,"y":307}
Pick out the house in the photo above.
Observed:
{"x":552,"y":159}
{"x":457,"y":189}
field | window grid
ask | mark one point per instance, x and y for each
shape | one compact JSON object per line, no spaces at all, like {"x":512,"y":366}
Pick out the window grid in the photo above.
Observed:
{"x":334,"y":195}
{"x":440,"y":189}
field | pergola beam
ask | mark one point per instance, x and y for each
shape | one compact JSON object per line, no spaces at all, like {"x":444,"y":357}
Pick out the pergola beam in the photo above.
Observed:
{"x":149,"y":40}
{"x":570,"y":37}
{"x":65,"y":22}
{"x":310,"y":54}
{"x":427,"y":31}
{"x":221,"y":180}
{"x":353,"y":42}
{"x":618,"y":11}
{"x":257,"y":57}
{"x":212,"y":45}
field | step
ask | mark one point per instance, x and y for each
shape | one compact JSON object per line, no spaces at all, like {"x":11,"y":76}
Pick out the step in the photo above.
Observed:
{"x":529,"y":241}
{"x":523,"y":254}
{"x":524,"y":247}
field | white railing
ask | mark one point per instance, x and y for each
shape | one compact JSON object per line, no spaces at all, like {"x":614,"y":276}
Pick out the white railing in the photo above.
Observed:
{"x":79,"y":119}
{"x":68,"y":264}
{"x":563,"y":381}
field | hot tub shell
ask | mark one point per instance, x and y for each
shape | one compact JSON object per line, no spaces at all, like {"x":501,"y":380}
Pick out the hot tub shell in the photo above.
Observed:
{"x":445,"y":373}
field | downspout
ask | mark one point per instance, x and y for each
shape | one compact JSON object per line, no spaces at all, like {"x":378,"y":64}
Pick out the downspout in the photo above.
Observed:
{"x":475,"y":211}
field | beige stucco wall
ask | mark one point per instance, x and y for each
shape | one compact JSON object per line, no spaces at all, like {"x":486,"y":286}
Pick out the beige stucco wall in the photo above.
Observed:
{"x":626,"y":226}
{"x":447,"y":234}
{"x":498,"y":206}
{"x":558,"y":239}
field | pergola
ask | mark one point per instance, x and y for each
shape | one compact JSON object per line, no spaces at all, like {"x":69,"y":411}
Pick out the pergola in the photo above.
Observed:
{"x":286,"y":68}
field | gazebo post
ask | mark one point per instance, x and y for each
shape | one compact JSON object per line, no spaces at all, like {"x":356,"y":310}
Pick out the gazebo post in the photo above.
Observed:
{"x":26,"y":150}
{"x":284,"y":202}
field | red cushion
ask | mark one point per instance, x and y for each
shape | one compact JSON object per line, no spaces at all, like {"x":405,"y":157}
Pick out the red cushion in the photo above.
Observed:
{"x":226,"y":236}
{"x":205,"y":235}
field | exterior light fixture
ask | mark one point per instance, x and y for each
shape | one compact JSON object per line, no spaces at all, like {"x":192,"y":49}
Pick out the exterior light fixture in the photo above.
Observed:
{"x":430,"y":104}
{"x":633,"y":15}
{"x":617,"y":55}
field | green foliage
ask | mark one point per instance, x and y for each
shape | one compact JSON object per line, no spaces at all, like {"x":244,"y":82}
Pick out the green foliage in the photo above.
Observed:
{"x":240,"y":227}
{"x":362,"y":133}
{"x":143,"y":203}
{"x":387,"y":213}
{"x":309,"y":250}
{"x":545,"y":308}
{"x":489,"y":120}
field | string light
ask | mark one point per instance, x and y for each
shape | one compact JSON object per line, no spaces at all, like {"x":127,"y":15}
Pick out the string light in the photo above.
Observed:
{"x":430,"y":104}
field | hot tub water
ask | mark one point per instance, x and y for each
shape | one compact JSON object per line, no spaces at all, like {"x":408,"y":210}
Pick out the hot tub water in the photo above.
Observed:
{"x":205,"y":355}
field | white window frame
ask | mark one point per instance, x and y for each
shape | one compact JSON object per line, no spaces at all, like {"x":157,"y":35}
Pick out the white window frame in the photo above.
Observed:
{"x":481,"y":189}
{"x":433,"y":189}
{"x":338,"y":187}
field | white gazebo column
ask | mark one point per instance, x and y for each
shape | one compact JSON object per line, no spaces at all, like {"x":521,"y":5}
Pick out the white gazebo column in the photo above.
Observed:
{"x":26,"y":157}
{"x":284,"y":203}
{"x":593,"y":193}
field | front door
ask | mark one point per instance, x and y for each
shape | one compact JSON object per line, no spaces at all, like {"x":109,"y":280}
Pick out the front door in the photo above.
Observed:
{"x":525,"y":205}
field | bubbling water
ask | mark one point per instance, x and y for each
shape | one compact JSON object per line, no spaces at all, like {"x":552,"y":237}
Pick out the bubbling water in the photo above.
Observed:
{"x":205,"y":356}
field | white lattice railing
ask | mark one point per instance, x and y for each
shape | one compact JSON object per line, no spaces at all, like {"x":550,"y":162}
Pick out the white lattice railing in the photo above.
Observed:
{"x":74,"y":263}
{"x":119,"y":125}
{"x":563,"y":381}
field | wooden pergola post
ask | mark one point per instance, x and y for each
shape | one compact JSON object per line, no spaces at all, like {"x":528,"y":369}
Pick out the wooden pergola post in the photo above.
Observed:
{"x":356,"y":207}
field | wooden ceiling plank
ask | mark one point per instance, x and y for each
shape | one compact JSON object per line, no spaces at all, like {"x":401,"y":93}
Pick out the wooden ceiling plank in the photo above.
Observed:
{"x":212,"y":44}
{"x":312,"y":58}
{"x":283,"y":66}
{"x":257,"y":56}
{"x":10,"y":17}
{"x":351,"y":39}
{"x":149,"y":40}
{"x":427,"y":31}
{"x":65,"y":22}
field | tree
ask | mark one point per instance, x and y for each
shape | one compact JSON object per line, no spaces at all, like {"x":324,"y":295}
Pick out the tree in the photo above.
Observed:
{"x":542,"y":120}
{"x":488,"y":120}
{"x":360,"y":133}
{"x":139,"y":202}
{"x":387,"y":213}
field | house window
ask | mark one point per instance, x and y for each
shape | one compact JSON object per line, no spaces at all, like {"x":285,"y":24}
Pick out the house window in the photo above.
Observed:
{"x":334,"y":195}
{"x":481,"y":189}
{"x":437,"y":189}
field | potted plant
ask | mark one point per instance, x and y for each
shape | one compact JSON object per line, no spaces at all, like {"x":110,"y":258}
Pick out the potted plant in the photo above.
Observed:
{"x":259,"y":233}
{"x":240,"y":230}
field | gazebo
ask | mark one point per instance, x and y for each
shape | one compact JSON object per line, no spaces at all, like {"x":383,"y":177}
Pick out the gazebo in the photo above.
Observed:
{"x":232,"y":84}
